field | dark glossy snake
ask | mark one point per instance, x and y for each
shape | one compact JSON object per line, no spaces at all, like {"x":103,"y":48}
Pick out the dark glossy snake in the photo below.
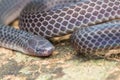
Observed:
{"x":89,"y":20}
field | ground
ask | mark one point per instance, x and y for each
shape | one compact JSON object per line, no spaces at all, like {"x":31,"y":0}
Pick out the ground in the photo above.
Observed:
{"x":64,"y":64}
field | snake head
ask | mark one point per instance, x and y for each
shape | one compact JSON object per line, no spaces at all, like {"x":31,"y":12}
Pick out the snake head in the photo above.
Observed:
{"x":38,"y":46}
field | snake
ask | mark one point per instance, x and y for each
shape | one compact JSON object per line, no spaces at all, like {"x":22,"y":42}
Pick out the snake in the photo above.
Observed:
{"x":94,"y":24}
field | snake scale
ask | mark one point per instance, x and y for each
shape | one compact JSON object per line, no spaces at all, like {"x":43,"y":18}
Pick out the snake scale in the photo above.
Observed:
{"x":90,"y":21}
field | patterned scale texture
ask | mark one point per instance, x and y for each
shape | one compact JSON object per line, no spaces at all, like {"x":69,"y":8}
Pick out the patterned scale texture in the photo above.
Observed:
{"x":13,"y":38}
{"x":97,"y":38}
{"x":50,"y":22}
{"x":24,"y":42}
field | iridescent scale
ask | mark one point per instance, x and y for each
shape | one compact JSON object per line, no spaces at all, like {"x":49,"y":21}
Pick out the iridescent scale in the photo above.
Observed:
{"x":88,"y":20}
{"x":81,"y":16}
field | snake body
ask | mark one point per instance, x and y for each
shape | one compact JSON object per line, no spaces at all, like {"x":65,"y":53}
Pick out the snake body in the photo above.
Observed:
{"x":61,"y":17}
{"x":20,"y":40}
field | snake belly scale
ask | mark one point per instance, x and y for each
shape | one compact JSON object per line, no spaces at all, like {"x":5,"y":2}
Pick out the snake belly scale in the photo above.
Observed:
{"x":88,"y":21}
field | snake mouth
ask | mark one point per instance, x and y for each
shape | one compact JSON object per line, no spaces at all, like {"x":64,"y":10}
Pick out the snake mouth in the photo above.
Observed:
{"x":48,"y":52}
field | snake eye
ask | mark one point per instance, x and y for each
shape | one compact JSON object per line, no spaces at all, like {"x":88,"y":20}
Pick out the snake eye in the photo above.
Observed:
{"x":45,"y":51}
{"x":40,"y":50}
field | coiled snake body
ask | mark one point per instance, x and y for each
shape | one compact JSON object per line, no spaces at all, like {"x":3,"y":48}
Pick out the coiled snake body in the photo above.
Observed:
{"x":51,"y":18}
